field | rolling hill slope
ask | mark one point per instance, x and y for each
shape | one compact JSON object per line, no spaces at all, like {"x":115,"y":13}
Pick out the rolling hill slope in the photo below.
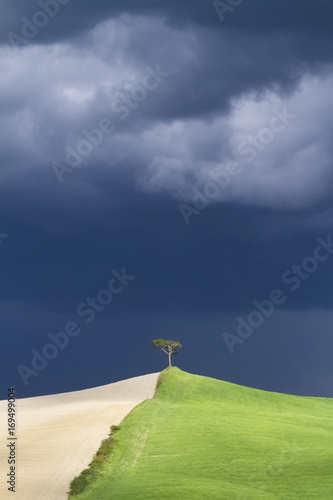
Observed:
{"x":201,"y":438}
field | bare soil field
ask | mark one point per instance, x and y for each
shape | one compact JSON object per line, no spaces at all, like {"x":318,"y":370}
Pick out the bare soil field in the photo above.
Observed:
{"x":57,"y":435}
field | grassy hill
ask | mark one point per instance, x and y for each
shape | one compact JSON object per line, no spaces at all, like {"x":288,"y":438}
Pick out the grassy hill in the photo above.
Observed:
{"x":201,"y":438}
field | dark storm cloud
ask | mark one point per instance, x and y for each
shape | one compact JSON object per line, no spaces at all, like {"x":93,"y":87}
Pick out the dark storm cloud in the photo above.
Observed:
{"x":76,"y":16}
{"x":44,"y":115}
{"x":216,"y":77}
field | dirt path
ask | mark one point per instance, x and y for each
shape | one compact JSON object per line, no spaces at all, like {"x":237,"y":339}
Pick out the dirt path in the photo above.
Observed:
{"x":58,"y":435}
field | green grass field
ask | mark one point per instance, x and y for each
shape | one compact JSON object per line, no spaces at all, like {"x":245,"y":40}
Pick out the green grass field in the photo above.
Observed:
{"x":201,"y":438}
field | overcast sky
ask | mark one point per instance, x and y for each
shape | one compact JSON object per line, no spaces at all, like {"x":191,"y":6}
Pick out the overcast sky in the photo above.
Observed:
{"x":165,"y":167}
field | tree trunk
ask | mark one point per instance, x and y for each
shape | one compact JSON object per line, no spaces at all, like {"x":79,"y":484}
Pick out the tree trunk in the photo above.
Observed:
{"x":169,"y":358}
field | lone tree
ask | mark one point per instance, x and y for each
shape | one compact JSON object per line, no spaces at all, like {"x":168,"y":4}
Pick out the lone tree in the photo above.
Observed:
{"x":168,"y":346}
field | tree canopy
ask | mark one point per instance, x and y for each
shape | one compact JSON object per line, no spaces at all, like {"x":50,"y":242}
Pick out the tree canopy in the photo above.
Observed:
{"x":170,"y":347}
